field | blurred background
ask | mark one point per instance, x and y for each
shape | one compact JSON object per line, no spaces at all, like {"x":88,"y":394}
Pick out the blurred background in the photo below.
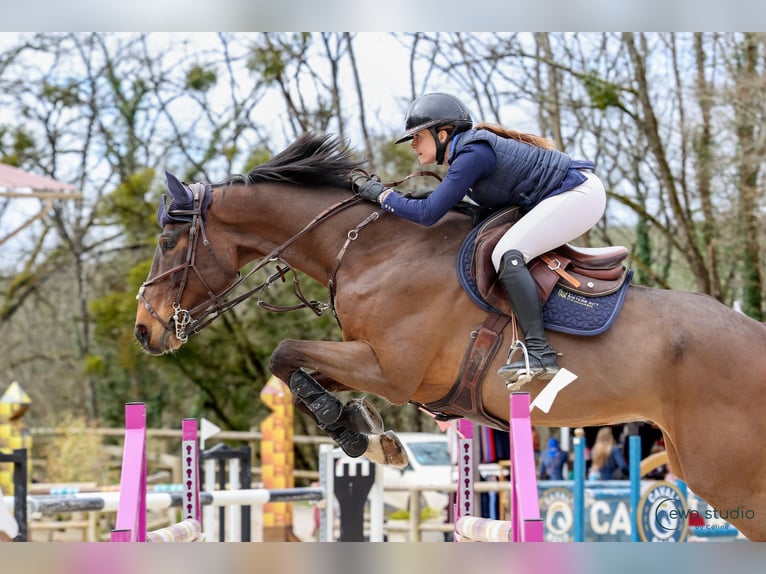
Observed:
{"x":673,"y":120}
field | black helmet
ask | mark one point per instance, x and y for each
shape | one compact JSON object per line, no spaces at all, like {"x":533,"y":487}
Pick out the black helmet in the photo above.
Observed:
{"x":435,"y":110}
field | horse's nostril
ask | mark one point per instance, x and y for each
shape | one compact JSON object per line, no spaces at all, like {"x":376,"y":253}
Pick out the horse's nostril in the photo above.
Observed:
{"x":142,"y":333}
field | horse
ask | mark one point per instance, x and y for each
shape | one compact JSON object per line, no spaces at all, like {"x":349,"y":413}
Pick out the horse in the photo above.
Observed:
{"x":682,"y":360}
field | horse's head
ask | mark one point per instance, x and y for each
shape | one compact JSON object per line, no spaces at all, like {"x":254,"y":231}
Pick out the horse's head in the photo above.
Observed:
{"x":189,"y":274}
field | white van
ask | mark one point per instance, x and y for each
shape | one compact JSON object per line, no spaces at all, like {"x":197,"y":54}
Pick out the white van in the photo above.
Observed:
{"x":429,"y":465}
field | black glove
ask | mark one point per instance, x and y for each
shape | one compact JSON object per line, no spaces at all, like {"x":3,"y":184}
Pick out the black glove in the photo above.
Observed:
{"x":371,"y":190}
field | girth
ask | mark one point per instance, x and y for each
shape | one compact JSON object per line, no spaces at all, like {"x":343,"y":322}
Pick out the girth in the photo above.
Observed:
{"x":464,"y":398}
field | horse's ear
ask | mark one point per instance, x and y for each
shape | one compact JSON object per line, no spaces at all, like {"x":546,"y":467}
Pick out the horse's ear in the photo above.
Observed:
{"x":179,"y":193}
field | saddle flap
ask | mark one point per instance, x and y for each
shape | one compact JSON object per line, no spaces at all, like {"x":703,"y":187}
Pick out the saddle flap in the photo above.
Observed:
{"x":482,"y":268}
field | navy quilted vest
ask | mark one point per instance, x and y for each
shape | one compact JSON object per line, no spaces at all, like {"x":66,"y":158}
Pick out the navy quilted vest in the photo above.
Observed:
{"x":524,"y":174}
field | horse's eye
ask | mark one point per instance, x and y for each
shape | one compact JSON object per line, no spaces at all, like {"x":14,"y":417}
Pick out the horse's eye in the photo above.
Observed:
{"x":167,"y":243}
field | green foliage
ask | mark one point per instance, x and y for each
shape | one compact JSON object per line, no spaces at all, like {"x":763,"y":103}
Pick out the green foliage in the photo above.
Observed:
{"x":200,"y":79}
{"x":272,"y":59}
{"x":19,"y":282}
{"x":230,"y":153}
{"x":643,"y":252}
{"x":256,"y":157}
{"x":267,"y":62}
{"x":426,"y":513}
{"x":74,"y":457}
{"x":129,"y":206}
{"x":111,"y":312}
{"x":602,"y":94}
{"x":20,"y":148}
{"x":65,"y":94}
{"x":94,"y":365}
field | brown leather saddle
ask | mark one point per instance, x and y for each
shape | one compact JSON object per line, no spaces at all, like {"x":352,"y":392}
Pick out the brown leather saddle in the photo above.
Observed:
{"x":592,"y":271}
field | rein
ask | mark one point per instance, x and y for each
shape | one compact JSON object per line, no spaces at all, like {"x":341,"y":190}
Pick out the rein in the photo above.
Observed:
{"x":184,"y":323}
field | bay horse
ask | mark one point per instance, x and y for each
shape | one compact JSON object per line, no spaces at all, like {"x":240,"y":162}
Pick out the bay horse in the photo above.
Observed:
{"x":681,"y":360}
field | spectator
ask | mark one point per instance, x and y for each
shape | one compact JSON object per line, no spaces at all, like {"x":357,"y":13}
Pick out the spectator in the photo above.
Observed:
{"x":608,"y":460}
{"x":552,"y":461}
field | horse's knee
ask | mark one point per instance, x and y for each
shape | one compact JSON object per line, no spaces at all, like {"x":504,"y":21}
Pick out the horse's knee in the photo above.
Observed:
{"x":279,"y":362}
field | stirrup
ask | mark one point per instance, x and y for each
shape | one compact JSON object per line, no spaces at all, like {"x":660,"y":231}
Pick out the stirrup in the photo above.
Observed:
{"x":520,"y":372}
{"x":517,"y":375}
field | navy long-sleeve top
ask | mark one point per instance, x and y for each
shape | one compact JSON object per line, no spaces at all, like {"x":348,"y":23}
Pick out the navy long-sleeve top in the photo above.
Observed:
{"x":475,"y":161}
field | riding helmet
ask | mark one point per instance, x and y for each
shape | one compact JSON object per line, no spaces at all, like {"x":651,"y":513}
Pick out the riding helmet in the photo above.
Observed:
{"x":434,"y":110}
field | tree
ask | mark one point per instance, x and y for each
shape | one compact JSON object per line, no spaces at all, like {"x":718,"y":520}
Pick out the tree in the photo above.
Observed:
{"x":671,"y":120}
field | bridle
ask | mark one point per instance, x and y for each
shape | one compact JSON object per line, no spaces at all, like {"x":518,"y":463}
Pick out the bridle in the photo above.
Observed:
{"x":182,"y":319}
{"x":188,"y":321}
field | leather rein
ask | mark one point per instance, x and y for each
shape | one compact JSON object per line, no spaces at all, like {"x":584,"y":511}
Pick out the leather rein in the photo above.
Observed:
{"x":184,"y":322}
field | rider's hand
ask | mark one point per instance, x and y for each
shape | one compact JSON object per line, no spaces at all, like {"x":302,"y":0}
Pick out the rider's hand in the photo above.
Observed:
{"x":371,"y":190}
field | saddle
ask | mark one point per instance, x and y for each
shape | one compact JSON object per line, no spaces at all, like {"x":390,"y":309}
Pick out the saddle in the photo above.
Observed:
{"x":592,"y":272}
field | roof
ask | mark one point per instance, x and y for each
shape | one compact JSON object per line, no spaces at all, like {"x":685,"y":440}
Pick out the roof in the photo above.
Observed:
{"x":17,"y":183}
{"x":13,"y":177}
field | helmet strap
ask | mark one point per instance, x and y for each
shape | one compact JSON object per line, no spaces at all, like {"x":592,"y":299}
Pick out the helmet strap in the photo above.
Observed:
{"x":441,"y":147}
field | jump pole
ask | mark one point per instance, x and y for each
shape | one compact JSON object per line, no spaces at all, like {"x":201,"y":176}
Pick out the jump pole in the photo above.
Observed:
{"x":190,"y":466}
{"x":278,"y":459}
{"x":465,"y":502}
{"x":130,"y":525}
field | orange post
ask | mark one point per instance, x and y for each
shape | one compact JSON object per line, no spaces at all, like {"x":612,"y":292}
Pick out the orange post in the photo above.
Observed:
{"x":277,"y":459}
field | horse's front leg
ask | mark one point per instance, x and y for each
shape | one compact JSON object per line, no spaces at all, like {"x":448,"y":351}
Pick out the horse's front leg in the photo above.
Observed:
{"x":350,"y":424}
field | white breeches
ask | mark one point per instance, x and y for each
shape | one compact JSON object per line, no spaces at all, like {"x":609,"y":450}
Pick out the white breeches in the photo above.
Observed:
{"x":555,"y":221}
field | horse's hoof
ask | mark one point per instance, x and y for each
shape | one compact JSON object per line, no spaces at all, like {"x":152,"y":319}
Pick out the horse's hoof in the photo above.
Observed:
{"x":387,"y":449}
{"x":352,"y":443}
{"x":361,"y":416}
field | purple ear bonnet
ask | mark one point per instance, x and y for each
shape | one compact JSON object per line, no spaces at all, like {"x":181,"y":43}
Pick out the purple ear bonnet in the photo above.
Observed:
{"x":181,"y":199}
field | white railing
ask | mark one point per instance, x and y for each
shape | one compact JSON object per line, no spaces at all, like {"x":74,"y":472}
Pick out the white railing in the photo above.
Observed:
{"x":415,"y":526}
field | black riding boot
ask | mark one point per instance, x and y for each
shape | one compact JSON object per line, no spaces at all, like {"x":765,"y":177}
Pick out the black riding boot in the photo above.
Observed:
{"x":521,"y":291}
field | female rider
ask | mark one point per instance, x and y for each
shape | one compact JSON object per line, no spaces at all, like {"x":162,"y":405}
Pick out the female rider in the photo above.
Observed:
{"x":560,"y":198}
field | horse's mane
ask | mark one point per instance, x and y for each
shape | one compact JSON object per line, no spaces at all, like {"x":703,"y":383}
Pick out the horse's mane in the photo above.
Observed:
{"x":312,"y":159}
{"x":320,"y":160}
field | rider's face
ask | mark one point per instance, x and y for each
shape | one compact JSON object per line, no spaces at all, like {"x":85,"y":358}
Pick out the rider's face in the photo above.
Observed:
{"x":424,"y":146}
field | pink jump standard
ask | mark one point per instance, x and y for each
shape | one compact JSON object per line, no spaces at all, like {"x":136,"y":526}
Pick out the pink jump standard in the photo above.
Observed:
{"x":525,"y":524}
{"x":130,"y":525}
